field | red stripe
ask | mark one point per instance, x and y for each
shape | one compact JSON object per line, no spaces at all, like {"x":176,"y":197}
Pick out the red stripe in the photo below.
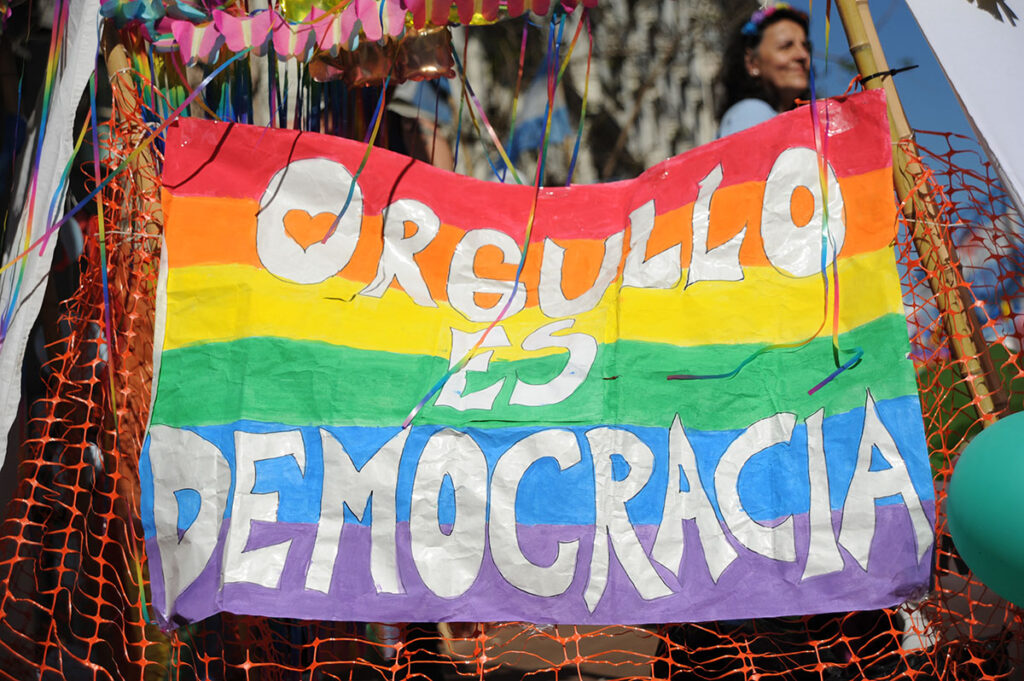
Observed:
{"x":237,"y":161}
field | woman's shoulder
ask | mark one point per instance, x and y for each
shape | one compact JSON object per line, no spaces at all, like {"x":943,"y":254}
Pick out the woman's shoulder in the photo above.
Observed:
{"x":745,"y":114}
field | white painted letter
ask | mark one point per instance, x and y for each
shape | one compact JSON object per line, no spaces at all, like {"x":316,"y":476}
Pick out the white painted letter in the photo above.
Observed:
{"x":181,"y":460}
{"x":535,"y":579}
{"x":868,"y":485}
{"x":346,"y":486}
{"x":551,"y":298}
{"x":721,"y":263}
{"x":612,"y":520}
{"x":396,"y":260}
{"x":778,"y":542}
{"x":692,"y":504}
{"x":449,"y":563}
{"x":792,"y":249}
{"x":313,"y":185}
{"x":453,"y":392}
{"x":823,"y":553}
{"x":263,"y":565}
{"x":582,"y":353}
{"x":659,"y":271}
{"x":463,"y":283}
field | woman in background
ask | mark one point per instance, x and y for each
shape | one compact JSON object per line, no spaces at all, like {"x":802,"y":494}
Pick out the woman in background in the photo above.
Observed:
{"x":766,"y":68}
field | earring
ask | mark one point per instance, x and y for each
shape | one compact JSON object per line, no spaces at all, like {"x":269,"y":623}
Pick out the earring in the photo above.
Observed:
{"x":755,"y":73}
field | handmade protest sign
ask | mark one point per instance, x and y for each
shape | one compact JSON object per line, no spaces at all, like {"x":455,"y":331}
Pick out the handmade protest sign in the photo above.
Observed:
{"x":559,"y":476}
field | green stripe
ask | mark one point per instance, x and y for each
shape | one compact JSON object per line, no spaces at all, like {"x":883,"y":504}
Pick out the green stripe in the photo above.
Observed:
{"x":309,"y":383}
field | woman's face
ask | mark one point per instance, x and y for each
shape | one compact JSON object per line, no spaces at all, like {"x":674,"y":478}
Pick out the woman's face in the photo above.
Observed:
{"x":782,"y":61}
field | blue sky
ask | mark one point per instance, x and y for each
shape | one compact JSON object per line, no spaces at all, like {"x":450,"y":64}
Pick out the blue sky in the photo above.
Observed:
{"x":926,"y":94}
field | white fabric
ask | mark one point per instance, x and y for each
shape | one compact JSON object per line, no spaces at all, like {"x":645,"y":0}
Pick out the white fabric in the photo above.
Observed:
{"x":77,"y":64}
{"x":980,"y":46}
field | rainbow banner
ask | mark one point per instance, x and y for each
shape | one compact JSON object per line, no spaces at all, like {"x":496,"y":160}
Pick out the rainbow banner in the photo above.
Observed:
{"x":559,"y":475}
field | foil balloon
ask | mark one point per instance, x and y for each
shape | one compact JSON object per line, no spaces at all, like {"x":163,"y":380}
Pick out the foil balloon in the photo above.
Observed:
{"x":296,"y":10}
{"x":324,"y":67}
{"x":370,"y":63}
{"x":425,"y":54}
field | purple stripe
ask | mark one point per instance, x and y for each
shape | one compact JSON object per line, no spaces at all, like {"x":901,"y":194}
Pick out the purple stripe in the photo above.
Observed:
{"x":752,"y":586}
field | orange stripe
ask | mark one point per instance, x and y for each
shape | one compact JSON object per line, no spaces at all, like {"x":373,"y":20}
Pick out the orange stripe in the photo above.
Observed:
{"x":213,"y":230}
{"x":869,"y":227}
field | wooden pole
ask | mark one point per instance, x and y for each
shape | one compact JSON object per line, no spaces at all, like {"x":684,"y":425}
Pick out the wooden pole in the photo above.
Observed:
{"x":125,"y":101}
{"x":920,"y":209}
{"x":134,"y":254}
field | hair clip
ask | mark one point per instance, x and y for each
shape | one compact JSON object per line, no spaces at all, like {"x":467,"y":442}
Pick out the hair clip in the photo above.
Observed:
{"x":752,"y":27}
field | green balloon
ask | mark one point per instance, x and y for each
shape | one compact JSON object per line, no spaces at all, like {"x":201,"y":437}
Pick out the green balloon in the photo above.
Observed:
{"x":985,"y":507}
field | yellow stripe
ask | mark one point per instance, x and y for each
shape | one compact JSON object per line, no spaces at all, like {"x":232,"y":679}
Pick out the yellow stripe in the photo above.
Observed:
{"x":766,"y":307}
{"x":219,"y":303}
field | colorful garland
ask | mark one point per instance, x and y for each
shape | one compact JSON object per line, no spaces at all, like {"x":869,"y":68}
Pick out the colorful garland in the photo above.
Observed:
{"x":198,"y":29}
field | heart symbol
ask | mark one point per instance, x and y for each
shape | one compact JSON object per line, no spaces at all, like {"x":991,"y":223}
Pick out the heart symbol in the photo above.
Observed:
{"x":305,"y":230}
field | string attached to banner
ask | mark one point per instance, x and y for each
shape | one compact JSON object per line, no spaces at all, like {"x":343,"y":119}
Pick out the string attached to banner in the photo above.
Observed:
{"x":458,"y":124}
{"x":820,"y":134}
{"x":583,"y":104}
{"x":557,"y":22}
{"x":371,"y":137}
{"x":519,"y":83}
{"x":487,"y":124}
{"x":821,"y":148}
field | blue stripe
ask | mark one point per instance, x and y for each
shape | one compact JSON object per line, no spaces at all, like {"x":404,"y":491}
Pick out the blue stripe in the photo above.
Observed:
{"x":773,"y":484}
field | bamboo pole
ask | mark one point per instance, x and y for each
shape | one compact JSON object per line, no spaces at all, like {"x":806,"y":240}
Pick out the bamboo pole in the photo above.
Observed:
{"x":126,"y":99}
{"x":133,"y":253}
{"x":921,"y":212}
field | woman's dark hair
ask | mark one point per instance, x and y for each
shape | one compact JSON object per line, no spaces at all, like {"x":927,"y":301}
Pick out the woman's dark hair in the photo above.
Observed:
{"x":746,"y":33}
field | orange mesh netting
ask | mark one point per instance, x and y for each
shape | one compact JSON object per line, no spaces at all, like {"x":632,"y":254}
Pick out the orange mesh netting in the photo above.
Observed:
{"x":73,"y":571}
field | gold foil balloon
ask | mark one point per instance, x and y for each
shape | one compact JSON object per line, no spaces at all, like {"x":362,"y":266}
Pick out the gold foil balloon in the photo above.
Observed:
{"x":324,"y":68}
{"x":296,"y":10}
{"x":369,"y":63}
{"x":425,"y":54}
